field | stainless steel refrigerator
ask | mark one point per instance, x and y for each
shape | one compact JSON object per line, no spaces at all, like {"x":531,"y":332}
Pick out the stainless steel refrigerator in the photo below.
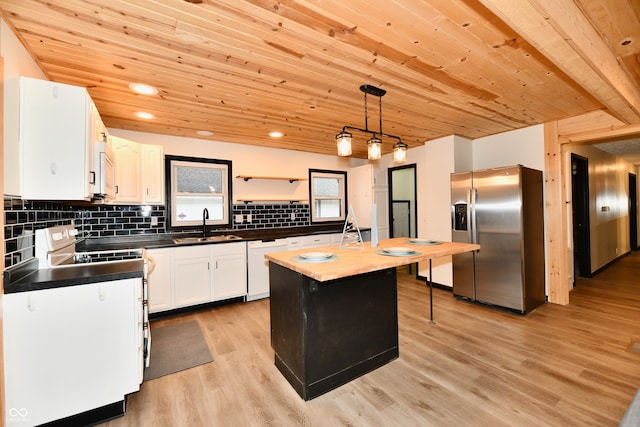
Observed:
{"x":501,"y":210}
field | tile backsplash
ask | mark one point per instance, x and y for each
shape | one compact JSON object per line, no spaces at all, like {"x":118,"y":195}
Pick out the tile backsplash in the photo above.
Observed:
{"x":23,"y":217}
{"x":270,"y":215}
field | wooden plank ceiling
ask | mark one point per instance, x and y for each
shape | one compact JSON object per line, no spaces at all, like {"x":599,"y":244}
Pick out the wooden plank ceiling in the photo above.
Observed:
{"x":243,"y":68}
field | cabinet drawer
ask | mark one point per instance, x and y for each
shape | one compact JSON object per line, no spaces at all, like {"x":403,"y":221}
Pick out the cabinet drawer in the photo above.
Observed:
{"x":235,"y":248}
{"x":316,"y":240}
{"x":187,"y":252}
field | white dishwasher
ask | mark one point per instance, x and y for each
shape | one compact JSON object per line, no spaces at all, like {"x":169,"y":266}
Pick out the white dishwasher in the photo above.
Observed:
{"x":258,"y":266}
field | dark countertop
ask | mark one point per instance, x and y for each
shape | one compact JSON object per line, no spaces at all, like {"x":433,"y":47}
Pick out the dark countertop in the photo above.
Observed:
{"x":166,"y":240}
{"x":27,"y":276}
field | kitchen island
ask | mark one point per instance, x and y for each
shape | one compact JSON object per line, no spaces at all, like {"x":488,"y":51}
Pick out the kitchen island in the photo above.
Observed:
{"x":335,"y":317}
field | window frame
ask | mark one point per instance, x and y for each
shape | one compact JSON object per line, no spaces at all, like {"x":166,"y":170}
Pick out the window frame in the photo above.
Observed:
{"x":170,"y":196}
{"x":324,"y":173}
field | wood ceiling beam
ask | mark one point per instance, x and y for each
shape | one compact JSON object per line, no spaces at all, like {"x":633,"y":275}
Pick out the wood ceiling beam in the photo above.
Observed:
{"x":561,"y":32}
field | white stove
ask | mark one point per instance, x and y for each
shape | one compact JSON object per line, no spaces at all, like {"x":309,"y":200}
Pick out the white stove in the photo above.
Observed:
{"x":56,"y":246}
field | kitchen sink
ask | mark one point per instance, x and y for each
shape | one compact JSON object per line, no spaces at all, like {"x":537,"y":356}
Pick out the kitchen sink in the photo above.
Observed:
{"x":221,"y":238}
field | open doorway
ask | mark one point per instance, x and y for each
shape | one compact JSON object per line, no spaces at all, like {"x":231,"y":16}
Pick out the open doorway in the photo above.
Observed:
{"x":580,"y":212}
{"x":403,"y":201}
{"x":633,"y":212}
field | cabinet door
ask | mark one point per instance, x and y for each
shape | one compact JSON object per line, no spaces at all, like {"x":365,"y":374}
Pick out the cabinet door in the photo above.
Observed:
{"x":159,"y":281}
{"x":381,"y":199}
{"x":191,"y":276}
{"x":54,"y":135}
{"x":368,"y":186}
{"x":230,"y":270}
{"x":361,"y":194}
{"x":153,"y":174}
{"x":60,"y":343}
{"x":128,"y":165}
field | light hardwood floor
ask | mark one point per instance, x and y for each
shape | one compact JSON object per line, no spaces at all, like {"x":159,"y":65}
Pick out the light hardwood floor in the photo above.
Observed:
{"x":477,"y":366}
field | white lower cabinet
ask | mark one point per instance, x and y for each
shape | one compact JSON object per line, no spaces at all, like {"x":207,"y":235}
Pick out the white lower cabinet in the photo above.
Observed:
{"x":159,"y":280}
{"x":72,"y":349}
{"x":229,"y":270}
{"x":191,"y":282}
{"x":192,"y":275}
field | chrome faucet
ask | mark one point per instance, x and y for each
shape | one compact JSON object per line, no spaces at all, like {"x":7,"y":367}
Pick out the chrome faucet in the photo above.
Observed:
{"x":205,"y":217}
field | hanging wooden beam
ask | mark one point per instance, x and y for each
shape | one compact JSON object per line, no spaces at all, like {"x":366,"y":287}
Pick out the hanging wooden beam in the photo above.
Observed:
{"x":561,"y":32}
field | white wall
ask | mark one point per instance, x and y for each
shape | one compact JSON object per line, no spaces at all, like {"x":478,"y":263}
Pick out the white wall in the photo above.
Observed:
{"x":442,"y":157}
{"x":522,"y":146}
{"x":17,"y":62}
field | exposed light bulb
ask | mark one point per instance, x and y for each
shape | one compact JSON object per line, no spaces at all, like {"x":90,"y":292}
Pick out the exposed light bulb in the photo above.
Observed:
{"x":374,"y":150}
{"x":400,"y":152}
{"x":343,"y":142}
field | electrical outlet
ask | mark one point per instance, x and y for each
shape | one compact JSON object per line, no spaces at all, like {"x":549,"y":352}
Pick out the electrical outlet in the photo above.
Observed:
{"x":293,"y":216}
{"x":249,"y":219}
{"x":154,"y":221}
{"x":239,"y":218}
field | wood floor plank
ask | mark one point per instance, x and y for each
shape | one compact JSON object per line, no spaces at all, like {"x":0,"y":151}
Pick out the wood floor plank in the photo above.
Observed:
{"x":477,"y":366}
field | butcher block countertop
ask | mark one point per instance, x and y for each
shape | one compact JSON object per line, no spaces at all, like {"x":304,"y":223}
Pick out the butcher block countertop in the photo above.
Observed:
{"x":350,"y":262}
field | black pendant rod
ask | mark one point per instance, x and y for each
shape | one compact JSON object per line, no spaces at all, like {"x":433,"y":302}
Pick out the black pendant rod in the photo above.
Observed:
{"x":375,"y":91}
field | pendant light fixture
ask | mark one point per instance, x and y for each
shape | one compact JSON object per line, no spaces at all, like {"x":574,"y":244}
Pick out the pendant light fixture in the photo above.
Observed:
{"x":374,"y":148}
{"x":400,"y":152}
{"x":343,"y":141}
{"x":374,"y":145}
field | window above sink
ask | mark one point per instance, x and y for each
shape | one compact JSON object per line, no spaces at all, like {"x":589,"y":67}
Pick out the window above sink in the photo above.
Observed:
{"x":193,"y":185}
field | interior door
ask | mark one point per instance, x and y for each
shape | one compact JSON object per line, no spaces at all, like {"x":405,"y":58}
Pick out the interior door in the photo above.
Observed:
{"x":401,"y":218}
{"x":580,"y":205}
{"x":402,"y":190}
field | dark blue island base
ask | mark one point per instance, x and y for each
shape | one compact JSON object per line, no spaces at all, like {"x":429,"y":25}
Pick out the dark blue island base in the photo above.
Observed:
{"x":325,"y":334}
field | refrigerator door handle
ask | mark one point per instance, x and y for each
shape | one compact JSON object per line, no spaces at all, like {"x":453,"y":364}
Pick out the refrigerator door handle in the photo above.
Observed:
{"x":473,"y":231}
{"x":469,"y":216}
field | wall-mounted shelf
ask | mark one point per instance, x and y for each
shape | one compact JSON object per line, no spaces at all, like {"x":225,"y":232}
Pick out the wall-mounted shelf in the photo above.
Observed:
{"x":278,"y":178}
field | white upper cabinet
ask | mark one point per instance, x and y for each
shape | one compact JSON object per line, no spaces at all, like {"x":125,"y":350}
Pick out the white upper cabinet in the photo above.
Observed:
{"x":48,"y":147}
{"x":127,"y":158}
{"x":153,"y":174}
{"x":139,"y":172}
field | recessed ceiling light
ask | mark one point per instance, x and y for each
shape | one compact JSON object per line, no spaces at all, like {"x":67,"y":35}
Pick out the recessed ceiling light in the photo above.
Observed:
{"x":204,"y":133}
{"x":276,"y":134}
{"x":143,"y":89}
{"x":144,"y":115}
